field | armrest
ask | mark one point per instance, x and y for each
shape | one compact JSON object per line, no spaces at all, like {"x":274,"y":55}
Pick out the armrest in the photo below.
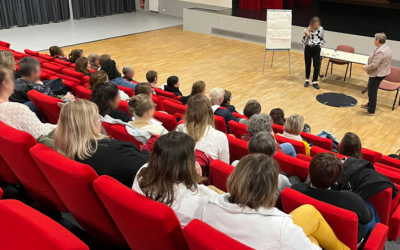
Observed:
{"x":304,"y":157}
{"x":377,"y":239}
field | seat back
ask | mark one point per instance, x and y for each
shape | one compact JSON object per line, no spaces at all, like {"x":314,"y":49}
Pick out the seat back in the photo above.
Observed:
{"x":14,"y":148}
{"x":53,"y":67}
{"x":18,"y":55}
{"x":145,"y":224}
{"x":118,"y":132}
{"x":83,"y":92}
{"x":41,"y":60}
{"x":158,"y":102}
{"x":73,"y":181}
{"x":394,"y":75}
{"x":392,"y":173}
{"x":165,"y":93}
{"x":298,"y":145}
{"x":382,"y":203}
{"x":123,"y":106}
{"x":23,"y":227}
{"x":292,"y":166}
{"x":4,"y":44}
{"x":6,"y":174}
{"x":44,"y":76}
{"x":316,"y":150}
{"x":31,"y":52}
{"x":62,"y":62}
{"x":219,"y":173}
{"x":168,"y":121}
{"x":237,"y":115}
{"x":237,"y":148}
{"x":220,"y":124}
{"x":172,"y":107}
{"x":389,"y":161}
{"x":318,"y":141}
{"x":345,"y":48}
{"x":127,"y":91}
{"x":371,"y":155}
{"x":71,"y":73}
{"x":201,"y":236}
{"x":46,"y":57}
{"x":343,"y":222}
{"x":278,"y":129}
{"x":48,"y":72}
{"x":237,"y":129}
{"x":70,"y":79}
{"x":48,"y":106}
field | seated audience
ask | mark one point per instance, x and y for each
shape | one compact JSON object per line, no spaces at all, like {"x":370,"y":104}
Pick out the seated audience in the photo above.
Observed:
{"x":110,"y":67}
{"x":82,"y":65}
{"x":293,"y":127}
{"x":262,"y":122}
{"x":30,"y":71}
{"x":173,"y":85}
{"x":278,"y":117}
{"x":94,"y":61}
{"x":197,"y":88}
{"x":78,"y":137}
{"x":247,"y":213}
{"x":142,"y":108}
{"x":325,"y":169}
{"x":199,"y":124}
{"x":7,"y":61}
{"x":57,"y":53}
{"x":226,"y":103}
{"x":74,"y":55}
{"x":145,"y":88}
{"x":351,"y":146}
{"x":101,"y":76}
{"x":217,"y":97}
{"x":252,"y":107}
{"x":152,"y":78}
{"x":106,"y":96}
{"x":129,"y":73}
{"x":395,"y":156}
{"x":104,"y":58}
{"x":171,"y":177}
{"x":15,"y":114}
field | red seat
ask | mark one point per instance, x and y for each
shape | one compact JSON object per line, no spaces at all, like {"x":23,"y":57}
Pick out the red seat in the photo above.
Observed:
{"x":53,"y":67}
{"x":47,"y":105}
{"x":70,"y":79}
{"x":393,"y":77}
{"x":18,"y":55}
{"x":127,"y":91}
{"x":158,"y":102}
{"x":62,"y":62}
{"x":165,"y":93}
{"x":162,"y":98}
{"x":394,"y":228}
{"x":83,"y":92}
{"x":237,"y":129}
{"x":14,"y":148}
{"x":31,"y":52}
{"x":237,"y":115}
{"x":168,"y":121}
{"x":123,"y":106}
{"x":145,"y":224}
{"x":1,"y":193}
{"x":41,"y":60}
{"x":118,"y":132}
{"x":23,"y":227}
{"x":370,"y":155}
{"x":48,"y":72}
{"x":71,"y":73}
{"x":172,"y":107}
{"x":317,"y":141}
{"x":220,"y":124}
{"x":85,"y":80}
{"x":316,"y":150}
{"x":389,"y":161}
{"x":304,"y":157}
{"x":298,"y":145}
{"x":46,"y":57}
{"x":237,"y":148}
{"x":344,"y":48}
{"x":4,"y":44}
{"x":343,"y":222}
{"x":6,"y":174}
{"x":392,"y":173}
{"x":278,"y":129}
{"x":73,"y":181}
{"x":292,"y":166}
{"x":382,"y":202}
{"x":219,"y":173}
{"x":201,"y":236}
{"x":44,"y":76}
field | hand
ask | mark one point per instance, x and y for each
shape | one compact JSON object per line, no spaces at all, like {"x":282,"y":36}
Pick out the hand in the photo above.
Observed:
{"x":39,"y":82}
{"x":308,"y":33}
{"x":198,"y":169}
{"x":365,"y":68}
{"x":69,"y":96}
{"x":320,"y":46}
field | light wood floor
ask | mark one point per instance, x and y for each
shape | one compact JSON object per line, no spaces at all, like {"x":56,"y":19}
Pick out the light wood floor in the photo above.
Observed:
{"x":237,"y":66}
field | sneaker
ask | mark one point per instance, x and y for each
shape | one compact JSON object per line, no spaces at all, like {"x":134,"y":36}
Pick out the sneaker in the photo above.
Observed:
{"x":315,"y":85}
{"x":365,"y":106}
{"x":366,"y":113}
{"x":306,"y":84}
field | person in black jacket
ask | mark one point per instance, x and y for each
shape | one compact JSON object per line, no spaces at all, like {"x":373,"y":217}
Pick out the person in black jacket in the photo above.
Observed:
{"x":78,"y":137}
{"x":227,"y":101}
{"x":107,"y":98}
{"x":325,"y":169}
{"x":198,"y":87}
{"x":173,"y":85}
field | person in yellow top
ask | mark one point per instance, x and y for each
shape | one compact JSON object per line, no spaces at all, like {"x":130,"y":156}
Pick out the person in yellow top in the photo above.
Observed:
{"x":292,"y":129}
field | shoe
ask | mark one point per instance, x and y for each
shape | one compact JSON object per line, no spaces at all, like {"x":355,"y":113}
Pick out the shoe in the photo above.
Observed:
{"x":365,"y":106}
{"x":306,"y":84}
{"x":315,"y":85}
{"x":366,"y":113}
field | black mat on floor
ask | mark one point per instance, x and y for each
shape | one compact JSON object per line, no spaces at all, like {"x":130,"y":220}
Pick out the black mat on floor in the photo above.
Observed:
{"x":337,"y":100}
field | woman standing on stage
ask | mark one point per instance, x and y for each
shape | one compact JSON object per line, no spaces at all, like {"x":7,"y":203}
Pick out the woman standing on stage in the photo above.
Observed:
{"x":313,"y":41}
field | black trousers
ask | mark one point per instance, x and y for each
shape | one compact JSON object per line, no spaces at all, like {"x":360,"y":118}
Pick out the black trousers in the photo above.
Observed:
{"x":373,"y":86}
{"x":312,"y":54}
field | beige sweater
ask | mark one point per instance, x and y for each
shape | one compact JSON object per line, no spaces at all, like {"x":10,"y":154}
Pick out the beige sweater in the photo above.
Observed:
{"x":155,"y":129}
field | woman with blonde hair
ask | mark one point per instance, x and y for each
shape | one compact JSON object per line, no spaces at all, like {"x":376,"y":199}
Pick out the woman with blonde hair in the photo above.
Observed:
{"x":251,"y":209}
{"x":293,"y":127}
{"x":142,"y":108}
{"x":198,"y":87}
{"x":7,"y":61}
{"x":94,"y":61}
{"x":199,"y":124}
{"x":78,"y":137}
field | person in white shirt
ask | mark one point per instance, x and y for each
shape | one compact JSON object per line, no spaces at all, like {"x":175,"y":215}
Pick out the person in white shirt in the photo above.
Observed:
{"x":199,"y":124}
{"x":293,"y":127}
{"x":247,"y":213}
{"x":171,"y":177}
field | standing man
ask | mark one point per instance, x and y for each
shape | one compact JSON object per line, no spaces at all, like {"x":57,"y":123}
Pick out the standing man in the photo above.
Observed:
{"x":378,"y":68}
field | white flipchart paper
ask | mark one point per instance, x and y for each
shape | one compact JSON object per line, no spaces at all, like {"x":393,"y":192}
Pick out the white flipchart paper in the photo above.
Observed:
{"x":279,"y":29}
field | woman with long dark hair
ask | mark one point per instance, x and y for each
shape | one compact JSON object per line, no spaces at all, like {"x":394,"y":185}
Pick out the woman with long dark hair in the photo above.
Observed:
{"x":110,"y":67}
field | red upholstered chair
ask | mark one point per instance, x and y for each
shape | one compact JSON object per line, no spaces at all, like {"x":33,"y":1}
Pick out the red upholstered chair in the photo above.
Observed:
{"x":41,"y":60}
{"x":304,"y":157}
{"x":292,"y":165}
{"x":393,"y":77}
{"x":48,"y":106}
{"x":298,"y":145}
{"x":343,"y":222}
{"x":169,"y":99}
{"x":220,"y":124}
{"x":118,"y":132}
{"x":44,"y":76}
{"x":237,"y":115}
{"x":145,"y":224}
{"x":4,"y":44}
{"x":278,"y":129}
{"x":71,"y":73}
{"x":219,"y":173}
{"x":127,"y":91}
{"x":62,"y":62}
{"x":83,"y":92}
{"x":85,"y":80}
{"x":1,"y":193}
{"x":48,"y":72}
{"x":31,"y":52}
{"x":18,"y":55}
{"x":370,"y":155}
{"x":46,"y":57}
{"x":6,"y":174}
{"x":394,"y":228}
{"x":168,"y":121}
{"x":237,"y":129}
{"x":53,"y":67}
{"x":392,"y":173}
{"x":73,"y":181}
{"x":123,"y":106}
{"x":14,"y":148}
{"x":165,"y":93}
{"x":70,"y":79}
{"x":344,"y":48}
{"x":316,"y":150}
{"x":23,"y":227}
{"x":158,"y":102}
{"x":173,"y":108}
{"x":318,"y":141}
{"x":389,"y":161}
{"x":201,"y":236}
{"x":382,"y":202}
{"x":237,"y":148}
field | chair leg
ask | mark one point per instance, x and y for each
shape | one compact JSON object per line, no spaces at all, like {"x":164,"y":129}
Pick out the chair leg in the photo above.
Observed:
{"x":327,"y":67}
{"x":346,"y":72}
{"x":395,"y":99}
{"x":351,"y":68}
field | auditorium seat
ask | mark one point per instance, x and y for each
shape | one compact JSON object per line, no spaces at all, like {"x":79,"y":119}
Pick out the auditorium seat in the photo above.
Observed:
{"x":165,"y":93}
{"x":86,"y":79}
{"x":382,"y":202}
{"x":371,"y":155}
{"x":237,"y":129}
{"x":18,"y":55}
{"x":14,"y":148}
{"x":343,"y":222}
{"x":47,"y":105}
{"x":158,"y":102}
{"x":237,"y":115}
{"x":168,"y":121}
{"x":118,"y":132}
{"x":298,"y":145}
{"x":317,"y":141}
{"x":4,"y":44}
{"x":145,"y":224}
{"x":344,"y":48}
{"x":220,"y":124}
{"x":53,"y":67}
{"x":6,"y":174}
{"x":71,"y":73}
{"x":44,"y":76}
{"x":304,"y":157}
{"x":237,"y":148}
{"x":219,"y":173}
{"x":394,"y":228}
{"x":392,"y":173}
{"x":71,"y":79}
{"x":23,"y":227}
{"x":46,"y":57}
{"x":278,"y":129}
{"x":389,"y":161}
{"x":73,"y":181}
{"x":31,"y":52}
{"x":292,"y":166}
{"x":49,"y":72}
{"x":123,"y":106}
{"x":162,"y":98}
{"x":201,"y":236}
{"x":83,"y":92}
{"x":387,"y":84}
{"x":41,"y":60}
{"x":62,"y":62}
{"x":316,"y":150}
{"x":173,"y":108}
{"x":127,"y":91}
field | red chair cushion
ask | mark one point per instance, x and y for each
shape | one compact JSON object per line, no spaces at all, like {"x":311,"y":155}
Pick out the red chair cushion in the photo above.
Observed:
{"x":83,"y":92}
{"x":292,"y":166}
{"x":53,"y":67}
{"x":46,"y":57}
{"x":173,"y":108}
{"x":168,"y":120}
{"x":219,"y":173}
{"x":389,"y":161}
{"x":237,"y":115}
{"x":71,"y":73}
{"x":165,"y":93}
{"x":237,"y":148}
{"x":62,"y":62}
{"x":158,"y":102}
{"x":371,"y":155}
{"x":237,"y":129}
{"x":278,"y":129}
{"x":47,"y":105}
{"x":6,"y":174}
{"x":388,"y":86}
{"x":318,"y":141}
{"x":382,"y":202}
{"x":316,"y":150}
{"x":31,"y":52}
{"x":118,"y":132}
{"x":304,"y":157}
{"x":127,"y":91}
{"x":4,"y":44}
{"x":123,"y":106}
{"x":48,"y":72}
{"x":298,"y":145}
{"x":220,"y":124}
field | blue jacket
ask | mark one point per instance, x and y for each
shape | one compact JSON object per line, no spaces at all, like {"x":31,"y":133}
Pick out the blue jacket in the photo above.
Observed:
{"x":227,"y":115}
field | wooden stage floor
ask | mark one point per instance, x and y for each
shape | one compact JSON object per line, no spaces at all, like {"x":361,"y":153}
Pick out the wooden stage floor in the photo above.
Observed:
{"x":237,"y":66}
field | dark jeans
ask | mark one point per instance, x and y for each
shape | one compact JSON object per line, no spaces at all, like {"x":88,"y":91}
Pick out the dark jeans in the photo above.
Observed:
{"x":33,"y":108}
{"x":375,"y":219}
{"x":373,"y":86}
{"x":312,"y":54}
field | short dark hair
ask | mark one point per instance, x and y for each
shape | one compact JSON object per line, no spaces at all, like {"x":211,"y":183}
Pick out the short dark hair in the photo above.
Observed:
{"x":278,"y":117}
{"x":325,"y":169}
{"x":351,"y":146}
{"x":252,"y":107}
{"x":263,"y":143}
{"x":28,"y":65}
{"x":110,"y":67}
{"x":151,"y":76}
{"x":102,"y":94}
{"x":172,"y":80}
{"x":227,"y":97}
